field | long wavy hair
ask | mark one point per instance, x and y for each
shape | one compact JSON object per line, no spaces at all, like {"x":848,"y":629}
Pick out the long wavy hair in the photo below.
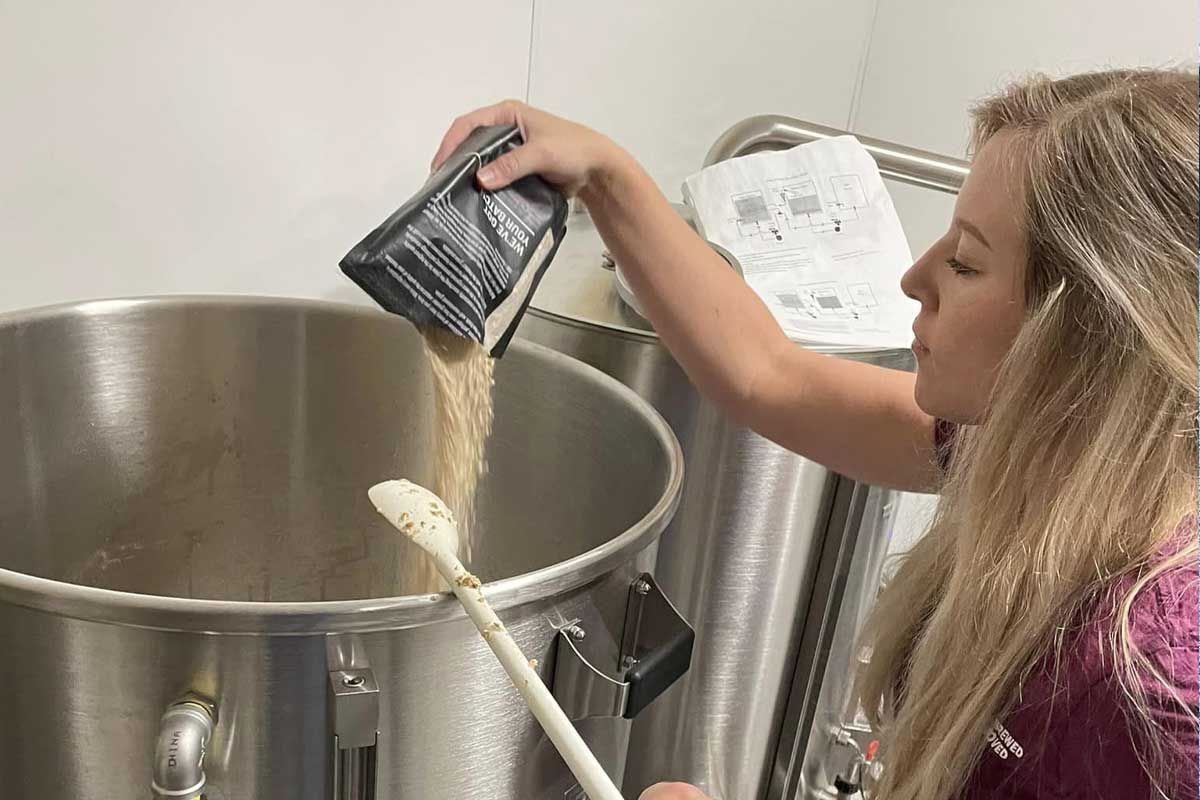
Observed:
{"x":1084,"y":466}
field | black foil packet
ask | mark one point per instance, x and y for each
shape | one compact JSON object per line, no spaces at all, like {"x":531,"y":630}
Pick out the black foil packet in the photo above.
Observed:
{"x":462,"y":258}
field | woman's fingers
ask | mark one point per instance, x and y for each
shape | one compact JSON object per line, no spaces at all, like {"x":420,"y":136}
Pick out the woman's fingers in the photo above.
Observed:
{"x":673,"y":791}
{"x":565,"y":154}
{"x":512,"y":166}
{"x":506,"y":113}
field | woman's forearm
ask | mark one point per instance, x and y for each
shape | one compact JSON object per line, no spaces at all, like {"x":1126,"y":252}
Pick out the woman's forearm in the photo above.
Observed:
{"x":717,"y":328}
{"x":857,"y":419}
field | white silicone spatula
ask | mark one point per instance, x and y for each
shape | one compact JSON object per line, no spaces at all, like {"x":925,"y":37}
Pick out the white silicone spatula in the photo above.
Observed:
{"x":421,"y":515}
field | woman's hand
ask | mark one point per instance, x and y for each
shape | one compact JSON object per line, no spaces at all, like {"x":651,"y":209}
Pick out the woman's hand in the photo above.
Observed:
{"x":566,"y":154}
{"x":673,"y":791}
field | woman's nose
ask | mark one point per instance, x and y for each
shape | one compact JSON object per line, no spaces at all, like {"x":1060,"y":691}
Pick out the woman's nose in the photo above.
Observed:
{"x":915,"y":282}
{"x":908,"y":283}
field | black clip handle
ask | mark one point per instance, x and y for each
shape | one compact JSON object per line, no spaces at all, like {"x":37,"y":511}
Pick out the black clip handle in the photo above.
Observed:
{"x":656,"y":645}
{"x":657,"y":670}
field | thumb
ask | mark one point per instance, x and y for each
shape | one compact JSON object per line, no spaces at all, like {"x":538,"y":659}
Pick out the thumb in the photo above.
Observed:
{"x":508,"y":168}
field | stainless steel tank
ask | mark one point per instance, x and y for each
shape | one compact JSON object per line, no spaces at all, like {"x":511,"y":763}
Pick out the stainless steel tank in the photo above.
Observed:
{"x":765,"y":546}
{"x":195,"y":590}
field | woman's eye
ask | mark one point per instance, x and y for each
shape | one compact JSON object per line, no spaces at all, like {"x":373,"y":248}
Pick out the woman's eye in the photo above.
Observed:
{"x":959,"y":267}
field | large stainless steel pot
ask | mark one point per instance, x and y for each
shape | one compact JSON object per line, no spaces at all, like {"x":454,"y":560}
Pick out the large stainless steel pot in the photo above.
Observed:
{"x":184,"y":528}
{"x":756,"y":558}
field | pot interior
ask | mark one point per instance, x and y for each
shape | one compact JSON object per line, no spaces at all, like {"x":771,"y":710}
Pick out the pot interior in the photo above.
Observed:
{"x":222,"y":449}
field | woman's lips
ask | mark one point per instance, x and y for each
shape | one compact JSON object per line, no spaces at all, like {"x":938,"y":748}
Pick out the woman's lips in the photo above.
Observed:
{"x":918,"y":347}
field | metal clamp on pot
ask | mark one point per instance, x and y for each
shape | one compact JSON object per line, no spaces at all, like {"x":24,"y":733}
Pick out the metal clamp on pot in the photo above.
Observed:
{"x":353,"y":719}
{"x":656,"y":650}
{"x":623,"y":288}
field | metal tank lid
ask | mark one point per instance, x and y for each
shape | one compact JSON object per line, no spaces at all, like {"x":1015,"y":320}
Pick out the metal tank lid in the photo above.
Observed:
{"x":582,"y":288}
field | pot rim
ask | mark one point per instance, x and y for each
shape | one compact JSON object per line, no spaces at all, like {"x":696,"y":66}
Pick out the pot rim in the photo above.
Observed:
{"x":236,"y":617}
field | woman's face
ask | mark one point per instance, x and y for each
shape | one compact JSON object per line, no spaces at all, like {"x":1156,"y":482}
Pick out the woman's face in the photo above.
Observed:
{"x":970,"y":286}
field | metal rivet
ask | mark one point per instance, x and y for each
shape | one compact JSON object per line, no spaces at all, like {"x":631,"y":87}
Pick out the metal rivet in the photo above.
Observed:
{"x":642,"y":587}
{"x":353,"y":681}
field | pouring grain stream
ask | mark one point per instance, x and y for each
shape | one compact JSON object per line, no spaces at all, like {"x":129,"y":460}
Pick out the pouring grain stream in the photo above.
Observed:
{"x":462,"y":375}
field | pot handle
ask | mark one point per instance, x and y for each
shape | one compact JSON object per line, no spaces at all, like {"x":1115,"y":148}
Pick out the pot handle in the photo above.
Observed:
{"x":658,"y":670}
{"x":656,"y":650}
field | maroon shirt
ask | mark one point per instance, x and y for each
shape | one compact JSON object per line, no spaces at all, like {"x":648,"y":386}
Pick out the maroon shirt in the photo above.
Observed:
{"x":1068,"y":737}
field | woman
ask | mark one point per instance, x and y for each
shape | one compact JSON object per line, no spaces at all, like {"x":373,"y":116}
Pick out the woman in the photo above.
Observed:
{"x":1040,"y":641}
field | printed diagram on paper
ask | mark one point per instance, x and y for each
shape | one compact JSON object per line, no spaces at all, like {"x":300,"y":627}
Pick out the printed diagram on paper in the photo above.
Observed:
{"x":794,"y":204}
{"x":817,"y":237}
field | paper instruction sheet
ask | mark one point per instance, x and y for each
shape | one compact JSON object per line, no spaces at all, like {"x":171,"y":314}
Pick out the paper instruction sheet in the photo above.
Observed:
{"x":817,"y":237}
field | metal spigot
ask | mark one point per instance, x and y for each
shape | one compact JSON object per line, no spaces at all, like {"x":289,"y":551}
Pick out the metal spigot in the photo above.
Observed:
{"x":184,"y":732}
{"x":862,"y":762}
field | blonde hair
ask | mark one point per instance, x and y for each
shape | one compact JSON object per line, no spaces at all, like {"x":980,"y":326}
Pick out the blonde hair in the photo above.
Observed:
{"x":1084,"y":465}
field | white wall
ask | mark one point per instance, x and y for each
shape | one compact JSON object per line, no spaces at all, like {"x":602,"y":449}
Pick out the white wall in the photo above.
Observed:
{"x":167,"y":146}
{"x":928,"y":60}
{"x":665,"y":78}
